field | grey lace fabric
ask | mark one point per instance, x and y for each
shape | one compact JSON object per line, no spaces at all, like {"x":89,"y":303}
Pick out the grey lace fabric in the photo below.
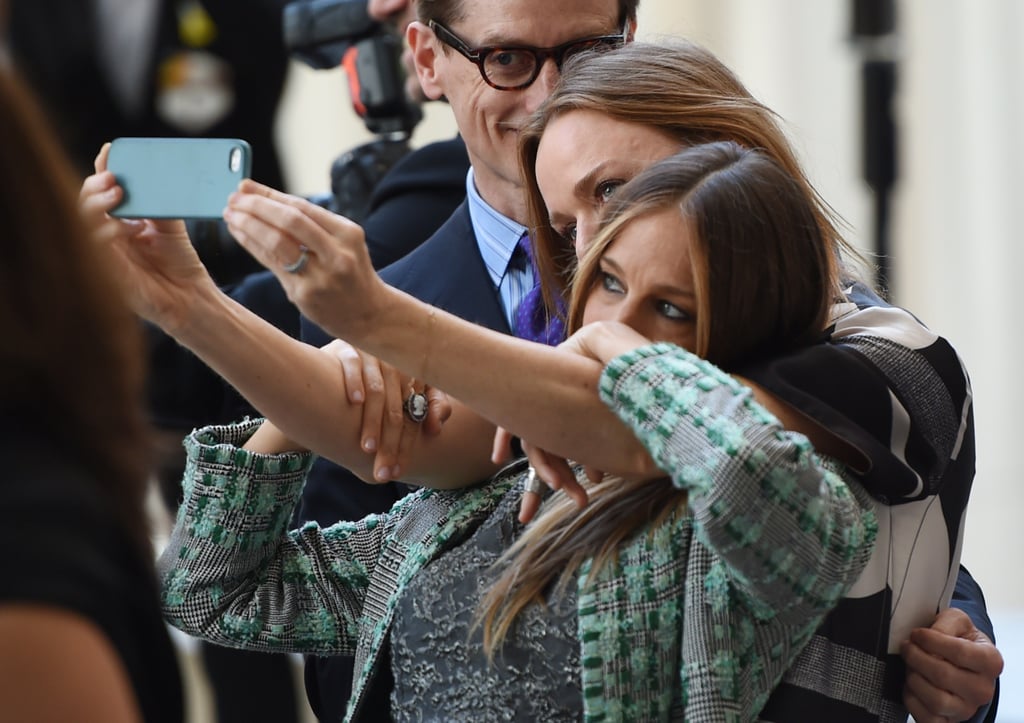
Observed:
{"x":440,"y":669}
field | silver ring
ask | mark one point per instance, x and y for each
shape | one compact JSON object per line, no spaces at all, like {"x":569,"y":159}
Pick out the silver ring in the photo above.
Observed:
{"x":531,"y":482}
{"x":300,"y":263}
{"x":416,"y":406}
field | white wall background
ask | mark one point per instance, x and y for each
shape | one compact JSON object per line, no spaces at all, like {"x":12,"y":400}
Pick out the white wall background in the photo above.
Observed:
{"x":955,"y":240}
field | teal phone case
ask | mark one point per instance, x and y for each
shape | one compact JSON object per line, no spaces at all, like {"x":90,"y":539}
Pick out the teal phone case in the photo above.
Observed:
{"x":177,"y":177}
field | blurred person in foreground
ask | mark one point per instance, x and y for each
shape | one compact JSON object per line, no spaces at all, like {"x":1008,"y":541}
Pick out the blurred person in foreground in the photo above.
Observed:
{"x":83,"y":639}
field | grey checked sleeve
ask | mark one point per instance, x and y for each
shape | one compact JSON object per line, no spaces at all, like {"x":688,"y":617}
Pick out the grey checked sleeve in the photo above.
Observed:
{"x":791,"y":531}
{"x":233,"y":573}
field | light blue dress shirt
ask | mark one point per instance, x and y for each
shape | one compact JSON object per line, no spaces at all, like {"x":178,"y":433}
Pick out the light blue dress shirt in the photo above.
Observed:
{"x":497,"y":236}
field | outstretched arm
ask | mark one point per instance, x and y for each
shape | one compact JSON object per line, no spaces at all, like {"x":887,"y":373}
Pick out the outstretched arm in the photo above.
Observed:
{"x":297,"y":386}
{"x":301,"y":390}
{"x":495,"y":375}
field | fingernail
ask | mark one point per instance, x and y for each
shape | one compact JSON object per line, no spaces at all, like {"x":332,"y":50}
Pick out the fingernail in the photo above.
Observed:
{"x":382,"y":474}
{"x":370,"y":444}
{"x":357,"y":396}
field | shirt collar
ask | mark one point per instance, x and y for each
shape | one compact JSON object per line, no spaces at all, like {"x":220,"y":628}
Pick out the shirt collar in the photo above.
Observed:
{"x":496,"y":234}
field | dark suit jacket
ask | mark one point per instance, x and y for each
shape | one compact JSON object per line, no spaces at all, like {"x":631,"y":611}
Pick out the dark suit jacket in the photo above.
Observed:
{"x":414,"y":198}
{"x":968,"y":597}
{"x":448,"y":272}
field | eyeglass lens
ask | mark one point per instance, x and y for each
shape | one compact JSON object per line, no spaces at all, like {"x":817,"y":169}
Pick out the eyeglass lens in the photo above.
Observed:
{"x":516,"y":67}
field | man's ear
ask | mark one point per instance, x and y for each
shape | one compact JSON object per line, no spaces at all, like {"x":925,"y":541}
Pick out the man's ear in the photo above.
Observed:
{"x":425,"y":52}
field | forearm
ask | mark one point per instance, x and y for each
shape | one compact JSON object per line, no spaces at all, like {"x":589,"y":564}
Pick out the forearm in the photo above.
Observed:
{"x":546,"y":398}
{"x":301,"y":392}
{"x":233,"y":574}
{"x":967,"y":596}
{"x":544,"y":395}
{"x":293,"y":384}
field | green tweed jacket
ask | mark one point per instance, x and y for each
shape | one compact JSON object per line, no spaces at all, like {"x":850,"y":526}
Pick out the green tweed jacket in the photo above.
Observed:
{"x":697,"y":619}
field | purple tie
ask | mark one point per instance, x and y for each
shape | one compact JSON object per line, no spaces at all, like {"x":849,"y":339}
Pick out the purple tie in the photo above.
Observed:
{"x":531,"y":318}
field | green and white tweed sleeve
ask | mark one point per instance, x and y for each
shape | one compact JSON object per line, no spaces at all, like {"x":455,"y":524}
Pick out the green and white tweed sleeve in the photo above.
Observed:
{"x":234,"y":574}
{"x":793,"y":534}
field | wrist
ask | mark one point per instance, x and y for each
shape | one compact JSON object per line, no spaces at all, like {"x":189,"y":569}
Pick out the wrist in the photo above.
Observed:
{"x":198,"y":317}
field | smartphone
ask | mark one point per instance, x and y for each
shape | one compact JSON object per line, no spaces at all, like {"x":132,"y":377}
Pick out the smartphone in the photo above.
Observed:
{"x":177,"y":177}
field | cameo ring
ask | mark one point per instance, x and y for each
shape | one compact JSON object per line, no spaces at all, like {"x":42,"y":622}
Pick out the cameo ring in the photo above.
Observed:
{"x":416,"y":406}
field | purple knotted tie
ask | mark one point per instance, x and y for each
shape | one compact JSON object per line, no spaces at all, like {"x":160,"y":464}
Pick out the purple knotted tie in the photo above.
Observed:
{"x":531,"y":318}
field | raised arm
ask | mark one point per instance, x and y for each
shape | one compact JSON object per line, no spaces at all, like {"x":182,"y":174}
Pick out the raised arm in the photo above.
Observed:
{"x":535,"y":392}
{"x":793,"y":532}
{"x":301,"y":390}
{"x":297,"y":386}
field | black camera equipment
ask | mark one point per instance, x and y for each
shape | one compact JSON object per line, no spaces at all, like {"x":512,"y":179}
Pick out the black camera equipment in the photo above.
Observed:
{"x":326,"y":34}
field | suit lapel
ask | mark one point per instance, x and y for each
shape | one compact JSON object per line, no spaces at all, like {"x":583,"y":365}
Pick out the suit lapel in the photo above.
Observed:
{"x":448,"y":272}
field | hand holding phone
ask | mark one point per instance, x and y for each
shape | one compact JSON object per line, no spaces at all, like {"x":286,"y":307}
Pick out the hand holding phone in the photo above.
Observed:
{"x":177,"y":177}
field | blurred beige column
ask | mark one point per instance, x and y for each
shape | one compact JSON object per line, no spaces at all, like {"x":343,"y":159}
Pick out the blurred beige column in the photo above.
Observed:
{"x":960,"y":243}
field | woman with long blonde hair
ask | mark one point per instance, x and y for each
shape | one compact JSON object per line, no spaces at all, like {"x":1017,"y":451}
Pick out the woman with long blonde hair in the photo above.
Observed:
{"x":890,"y":392}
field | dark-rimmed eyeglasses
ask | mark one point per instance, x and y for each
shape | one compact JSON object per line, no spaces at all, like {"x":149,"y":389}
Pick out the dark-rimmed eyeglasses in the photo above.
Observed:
{"x":514,"y":67}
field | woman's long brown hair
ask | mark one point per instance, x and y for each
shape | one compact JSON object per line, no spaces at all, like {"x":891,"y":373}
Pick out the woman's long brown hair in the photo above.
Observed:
{"x":680,"y":89}
{"x":71,"y":361}
{"x":763,"y":280}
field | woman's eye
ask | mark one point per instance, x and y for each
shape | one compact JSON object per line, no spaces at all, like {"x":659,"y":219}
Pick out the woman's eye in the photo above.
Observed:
{"x":605,"y":189}
{"x":671,"y":311}
{"x":610,"y":283}
{"x":568,"y":233}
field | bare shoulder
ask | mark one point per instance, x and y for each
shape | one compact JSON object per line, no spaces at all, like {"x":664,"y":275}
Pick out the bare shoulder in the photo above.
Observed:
{"x":59,"y":666}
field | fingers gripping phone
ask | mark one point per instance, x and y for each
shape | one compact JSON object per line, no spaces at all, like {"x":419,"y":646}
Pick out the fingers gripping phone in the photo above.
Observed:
{"x":177,"y":177}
